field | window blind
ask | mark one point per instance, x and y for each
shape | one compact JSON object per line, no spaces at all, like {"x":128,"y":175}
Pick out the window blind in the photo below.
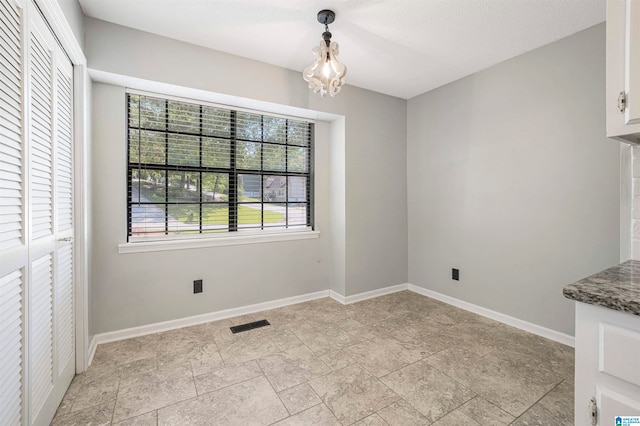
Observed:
{"x":198,"y":169}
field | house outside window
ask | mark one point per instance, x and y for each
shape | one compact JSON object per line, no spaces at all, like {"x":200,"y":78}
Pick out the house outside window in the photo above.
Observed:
{"x":199,"y":170}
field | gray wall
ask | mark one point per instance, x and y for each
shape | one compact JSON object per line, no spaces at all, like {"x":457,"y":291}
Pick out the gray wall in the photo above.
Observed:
{"x":512,"y":180}
{"x":151,"y":287}
{"x":337,"y":201}
{"x":362,"y":203}
{"x":75,"y":17}
{"x":508,"y":177}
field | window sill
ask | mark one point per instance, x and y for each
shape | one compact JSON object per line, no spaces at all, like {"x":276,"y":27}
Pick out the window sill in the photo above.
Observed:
{"x":150,"y":246}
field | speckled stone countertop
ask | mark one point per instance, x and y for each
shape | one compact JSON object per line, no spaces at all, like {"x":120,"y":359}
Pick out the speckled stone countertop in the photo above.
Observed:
{"x":615,"y":288}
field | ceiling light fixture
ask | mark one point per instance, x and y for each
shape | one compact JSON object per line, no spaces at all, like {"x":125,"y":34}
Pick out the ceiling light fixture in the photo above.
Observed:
{"x":326,"y":74}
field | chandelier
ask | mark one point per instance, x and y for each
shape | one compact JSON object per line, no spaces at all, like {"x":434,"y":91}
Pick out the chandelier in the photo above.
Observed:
{"x":326,"y":74}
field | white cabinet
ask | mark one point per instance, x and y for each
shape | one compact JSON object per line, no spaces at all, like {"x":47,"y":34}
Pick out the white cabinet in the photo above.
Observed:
{"x":607,"y":364}
{"x":623,"y":70}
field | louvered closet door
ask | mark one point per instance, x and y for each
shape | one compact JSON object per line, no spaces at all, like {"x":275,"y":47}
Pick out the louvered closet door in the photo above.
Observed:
{"x":63,"y":196}
{"x":50,"y":290}
{"x":63,"y":314}
{"x":13,"y":250}
{"x":36,"y":218}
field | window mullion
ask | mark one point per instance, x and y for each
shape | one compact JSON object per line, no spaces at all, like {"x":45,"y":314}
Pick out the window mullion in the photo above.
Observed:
{"x":233,"y":175}
{"x":310,"y":183}
{"x":262,"y":176}
{"x":200,"y":174}
{"x":166,"y":163}
{"x":286,"y":171}
{"x":130,"y":167}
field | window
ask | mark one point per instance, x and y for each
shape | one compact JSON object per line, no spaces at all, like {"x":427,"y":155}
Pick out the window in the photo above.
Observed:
{"x":198,"y":170}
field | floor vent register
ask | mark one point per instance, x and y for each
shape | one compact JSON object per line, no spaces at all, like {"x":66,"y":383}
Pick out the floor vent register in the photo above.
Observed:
{"x":249,"y":326}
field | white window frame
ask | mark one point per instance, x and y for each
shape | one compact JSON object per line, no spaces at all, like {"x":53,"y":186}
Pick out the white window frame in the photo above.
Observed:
{"x":156,"y":243}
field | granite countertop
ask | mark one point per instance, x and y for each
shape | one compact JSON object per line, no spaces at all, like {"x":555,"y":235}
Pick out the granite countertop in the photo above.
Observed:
{"x":615,"y":288}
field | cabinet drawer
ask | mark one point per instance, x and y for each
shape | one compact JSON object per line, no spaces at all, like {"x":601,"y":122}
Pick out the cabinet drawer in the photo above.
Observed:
{"x":619,"y":353}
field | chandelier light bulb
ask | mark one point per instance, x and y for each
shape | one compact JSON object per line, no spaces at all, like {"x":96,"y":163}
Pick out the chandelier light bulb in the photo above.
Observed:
{"x":326,"y":69}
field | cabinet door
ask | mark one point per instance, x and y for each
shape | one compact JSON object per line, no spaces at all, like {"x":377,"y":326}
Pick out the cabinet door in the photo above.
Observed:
{"x":606,"y":364}
{"x":623,"y":69}
{"x":632,"y":62}
{"x":613,"y":404}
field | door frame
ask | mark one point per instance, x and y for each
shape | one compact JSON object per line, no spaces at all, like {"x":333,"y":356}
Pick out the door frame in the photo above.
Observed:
{"x":81,"y":131}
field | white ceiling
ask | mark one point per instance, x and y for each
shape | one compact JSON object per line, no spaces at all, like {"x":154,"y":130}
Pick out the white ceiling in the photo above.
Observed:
{"x":398,"y":47}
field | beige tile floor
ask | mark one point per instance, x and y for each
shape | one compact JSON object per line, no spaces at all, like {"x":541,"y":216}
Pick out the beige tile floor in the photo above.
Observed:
{"x":401,"y":359}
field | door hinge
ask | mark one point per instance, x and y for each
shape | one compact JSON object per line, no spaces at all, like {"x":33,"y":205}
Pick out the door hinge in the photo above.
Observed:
{"x":593,"y":411}
{"x":622,"y":102}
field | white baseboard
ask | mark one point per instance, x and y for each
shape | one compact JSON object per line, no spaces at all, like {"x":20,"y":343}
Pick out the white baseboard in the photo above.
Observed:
{"x":128,"y":333}
{"x":366,"y":295}
{"x":93,"y":345}
{"x":539,"y":330}
{"x":143,"y":330}
{"x":337,"y":297}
